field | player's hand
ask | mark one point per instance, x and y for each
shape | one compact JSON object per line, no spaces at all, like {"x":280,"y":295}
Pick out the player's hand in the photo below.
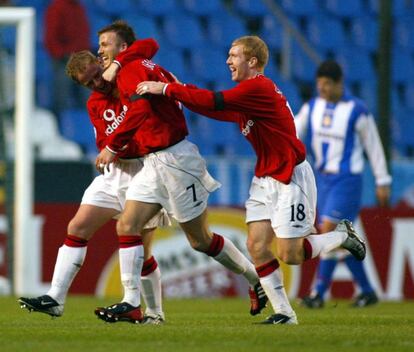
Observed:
{"x":110,"y":73}
{"x":103,"y":160}
{"x":150,"y":87}
{"x":383,"y":195}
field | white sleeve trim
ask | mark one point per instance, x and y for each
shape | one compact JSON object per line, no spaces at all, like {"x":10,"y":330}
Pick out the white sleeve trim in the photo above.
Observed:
{"x":118,"y":63}
{"x":112,"y":151}
{"x":164,"y":90}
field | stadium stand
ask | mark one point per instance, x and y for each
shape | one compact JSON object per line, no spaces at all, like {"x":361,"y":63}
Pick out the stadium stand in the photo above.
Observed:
{"x":345,"y":30}
{"x":364,"y":30}
{"x":74,"y":125}
{"x":205,"y":8}
{"x":179,"y":26}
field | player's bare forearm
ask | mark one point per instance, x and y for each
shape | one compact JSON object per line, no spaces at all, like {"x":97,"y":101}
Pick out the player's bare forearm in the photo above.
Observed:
{"x":110,"y":73}
{"x":150,"y":87}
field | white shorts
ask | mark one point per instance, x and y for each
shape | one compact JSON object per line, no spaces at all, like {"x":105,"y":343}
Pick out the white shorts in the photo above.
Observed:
{"x":109,"y":190}
{"x":290,"y":208}
{"x":177,"y":179}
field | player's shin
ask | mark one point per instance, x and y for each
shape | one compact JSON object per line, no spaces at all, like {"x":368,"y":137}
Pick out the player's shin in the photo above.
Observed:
{"x":68,"y":263}
{"x":314,"y":245}
{"x":271,"y":279}
{"x":227,"y":254}
{"x":151,"y":287}
{"x":131,"y":257}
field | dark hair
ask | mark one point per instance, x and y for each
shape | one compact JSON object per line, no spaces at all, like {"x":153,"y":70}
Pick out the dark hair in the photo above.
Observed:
{"x":122,"y":30}
{"x":330,"y":69}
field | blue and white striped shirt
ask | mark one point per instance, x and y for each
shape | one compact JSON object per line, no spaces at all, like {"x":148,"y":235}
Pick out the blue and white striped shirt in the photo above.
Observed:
{"x":338,"y":134}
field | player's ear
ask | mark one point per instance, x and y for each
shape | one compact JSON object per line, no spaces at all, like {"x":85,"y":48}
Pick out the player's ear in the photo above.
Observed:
{"x":252,"y":62}
{"x":124,"y":46}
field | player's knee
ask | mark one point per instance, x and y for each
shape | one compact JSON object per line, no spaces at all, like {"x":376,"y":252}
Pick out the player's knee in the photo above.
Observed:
{"x":78,"y":229}
{"x":125,"y":228}
{"x":289,"y":256}
{"x":198,"y":244}
{"x":255,"y":248}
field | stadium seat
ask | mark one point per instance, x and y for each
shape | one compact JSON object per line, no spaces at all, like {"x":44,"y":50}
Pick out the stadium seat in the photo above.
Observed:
{"x":308,"y":8}
{"x":368,"y":93}
{"x":364,"y":32}
{"x":250,"y":8}
{"x":344,"y":9}
{"x":59,"y":149}
{"x":399,"y":7}
{"x":408,"y":95}
{"x":291,"y":93}
{"x":108,"y":8}
{"x":173,"y":61}
{"x":271,"y":32}
{"x":43,"y":77}
{"x":203,"y":8}
{"x":39,"y":5}
{"x":144,"y":27}
{"x":160,"y":8}
{"x":404,"y":32}
{"x":303,"y":68}
{"x":326,"y":33}
{"x":97,"y":21}
{"x":356,"y":63}
{"x":215,"y":137}
{"x":76,"y":126}
{"x":43,"y":126}
{"x":224,"y":28}
{"x":402,"y":67}
{"x":183,"y":31}
{"x":209,"y":64}
{"x":272,"y":71}
{"x":403,"y":130}
{"x":8,"y":37}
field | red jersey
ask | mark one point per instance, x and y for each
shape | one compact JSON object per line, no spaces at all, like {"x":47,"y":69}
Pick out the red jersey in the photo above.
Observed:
{"x":106,"y":112}
{"x":264,"y":118}
{"x":152,"y":122}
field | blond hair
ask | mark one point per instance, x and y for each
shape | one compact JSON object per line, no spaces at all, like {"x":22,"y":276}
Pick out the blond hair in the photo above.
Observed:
{"x":253,"y":46}
{"x":78,"y":63}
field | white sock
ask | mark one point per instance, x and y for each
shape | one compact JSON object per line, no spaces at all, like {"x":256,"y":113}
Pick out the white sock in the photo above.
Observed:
{"x":235,"y":261}
{"x":273,"y":286}
{"x":68,"y":262}
{"x":130,"y":262}
{"x":151,"y":292}
{"x":326,"y":242}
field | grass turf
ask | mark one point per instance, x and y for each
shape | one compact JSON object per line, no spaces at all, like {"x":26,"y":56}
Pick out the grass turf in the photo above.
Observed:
{"x":209,"y":325}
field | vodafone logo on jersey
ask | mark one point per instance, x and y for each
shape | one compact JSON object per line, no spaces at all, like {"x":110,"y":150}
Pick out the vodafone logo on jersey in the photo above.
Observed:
{"x":249,"y":125}
{"x":112,"y":120}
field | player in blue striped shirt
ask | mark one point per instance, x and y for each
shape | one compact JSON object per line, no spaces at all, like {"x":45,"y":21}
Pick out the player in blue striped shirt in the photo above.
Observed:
{"x":338,"y":128}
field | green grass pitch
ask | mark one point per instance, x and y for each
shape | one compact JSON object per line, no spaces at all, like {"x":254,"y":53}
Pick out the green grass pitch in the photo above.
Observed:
{"x":210,"y":325}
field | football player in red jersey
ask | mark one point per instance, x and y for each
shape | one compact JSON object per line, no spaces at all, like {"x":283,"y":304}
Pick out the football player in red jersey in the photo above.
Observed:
{"x":283,"y":193}
{"x":173,"y":177}
{"x":104,"y":199}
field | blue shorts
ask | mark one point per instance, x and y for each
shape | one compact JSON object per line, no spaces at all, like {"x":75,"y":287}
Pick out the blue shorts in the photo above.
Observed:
{"x":339,"y":196}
